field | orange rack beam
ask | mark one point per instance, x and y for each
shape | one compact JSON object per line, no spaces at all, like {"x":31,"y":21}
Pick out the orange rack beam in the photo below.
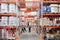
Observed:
{"x":7,"y":1}
{"x":51,"y":14}
{"x":7,"y":14}
{"x":44,"y":1}
{"x":7,"y":27}
{"x":50,"y":26}
{"x":28,"y":1}
{"x":51,"y":1}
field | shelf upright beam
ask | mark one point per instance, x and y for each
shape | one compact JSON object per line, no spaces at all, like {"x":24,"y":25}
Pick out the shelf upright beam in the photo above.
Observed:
{"x":42,"y":35}
{"x":18,"y":28}
{"x":41,"y":13}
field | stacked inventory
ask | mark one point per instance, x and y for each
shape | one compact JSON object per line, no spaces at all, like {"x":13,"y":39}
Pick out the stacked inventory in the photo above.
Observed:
{"x":28,"y":10}
{"x":50,"y":21}
{"x":8,"y":19}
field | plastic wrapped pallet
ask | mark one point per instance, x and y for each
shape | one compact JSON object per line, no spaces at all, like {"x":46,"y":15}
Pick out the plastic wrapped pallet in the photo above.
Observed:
{"x":4,"y":21}
{"x":54,"y":8}
{"x":12,"y":7}
{"x":12,"y":21}
{"x":45,"y":22}
{"x":4,"y":7}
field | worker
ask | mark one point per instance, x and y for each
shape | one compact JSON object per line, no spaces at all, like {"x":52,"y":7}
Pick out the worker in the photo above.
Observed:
{"x":29,"y":28}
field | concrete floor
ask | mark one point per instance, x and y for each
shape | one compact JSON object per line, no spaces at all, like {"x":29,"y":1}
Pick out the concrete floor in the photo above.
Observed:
{"x":29,"y":36}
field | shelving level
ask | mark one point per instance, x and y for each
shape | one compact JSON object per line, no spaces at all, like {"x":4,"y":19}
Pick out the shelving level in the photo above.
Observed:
{"x":51,"y":14}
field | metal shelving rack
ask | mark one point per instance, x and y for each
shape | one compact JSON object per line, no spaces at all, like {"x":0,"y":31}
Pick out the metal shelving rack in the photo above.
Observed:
{"x":30,"y":7}
{"x":8,"y":15}
{"x":48,"y":14}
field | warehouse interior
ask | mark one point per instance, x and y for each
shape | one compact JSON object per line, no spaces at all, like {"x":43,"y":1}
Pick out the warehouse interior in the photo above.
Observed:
{"x":29,"y":19}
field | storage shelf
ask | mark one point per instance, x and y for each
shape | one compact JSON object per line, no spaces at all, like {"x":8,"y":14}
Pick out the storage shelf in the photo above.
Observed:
{"x":7,"y":27}
{"x":27,"y":1}
{"x":32,"y":6}
{"x":8,"y":1}
{"x":28,"y":11}
{"x":58,"y":1}
{"x":29,"y":16}
{"x":50,"y":26}
{"x":51,"y":14}
{"x":7,"y":14}
{"x":46,"y":2}
{"x":22,"y":16}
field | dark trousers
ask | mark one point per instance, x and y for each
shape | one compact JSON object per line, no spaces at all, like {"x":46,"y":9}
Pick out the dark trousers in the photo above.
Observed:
{"x":29,"y":29}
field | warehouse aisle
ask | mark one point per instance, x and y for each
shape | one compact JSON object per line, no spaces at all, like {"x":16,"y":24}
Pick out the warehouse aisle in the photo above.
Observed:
{"x":29,"y":36}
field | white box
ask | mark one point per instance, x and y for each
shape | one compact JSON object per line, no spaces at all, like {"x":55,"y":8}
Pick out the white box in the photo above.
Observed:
{"x":4,"y":7}
{"x":12,"y":7}
{"x":54,"y":8}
